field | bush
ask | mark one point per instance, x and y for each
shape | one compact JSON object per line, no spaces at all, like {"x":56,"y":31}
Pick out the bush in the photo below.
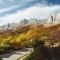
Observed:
{"x":4,"y":48}
{"x":38,"y":53}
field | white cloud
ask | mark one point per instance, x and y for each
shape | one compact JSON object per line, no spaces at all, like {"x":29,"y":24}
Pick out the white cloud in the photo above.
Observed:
{"x":34,"y":11}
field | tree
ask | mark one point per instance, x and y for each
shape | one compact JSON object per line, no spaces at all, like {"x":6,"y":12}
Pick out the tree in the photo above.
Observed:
{"x":24,"y":22}
{"x":53,"y":17}
{"x":8,"y":25}
{"x":38,"y":50}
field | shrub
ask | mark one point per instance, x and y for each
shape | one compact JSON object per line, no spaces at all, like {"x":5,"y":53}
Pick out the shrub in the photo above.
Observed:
{"x":38,"y":53}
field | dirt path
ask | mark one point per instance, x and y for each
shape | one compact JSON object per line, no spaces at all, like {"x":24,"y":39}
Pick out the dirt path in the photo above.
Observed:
{"x":14,"y":55}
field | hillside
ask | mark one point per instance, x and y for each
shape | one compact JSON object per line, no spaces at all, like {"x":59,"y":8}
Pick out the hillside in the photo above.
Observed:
{"x":24,"y":36}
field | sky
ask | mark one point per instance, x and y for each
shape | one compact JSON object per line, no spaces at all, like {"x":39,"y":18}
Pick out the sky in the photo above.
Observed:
{"x":12,"y":11}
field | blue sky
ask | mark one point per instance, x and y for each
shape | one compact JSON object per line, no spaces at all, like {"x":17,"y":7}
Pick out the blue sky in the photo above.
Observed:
{"x":15,"y":10}
{"x":54,"y":1}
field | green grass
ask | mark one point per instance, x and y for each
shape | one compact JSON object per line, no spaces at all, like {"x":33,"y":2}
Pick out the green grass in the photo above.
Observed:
{"x":29,"y":57}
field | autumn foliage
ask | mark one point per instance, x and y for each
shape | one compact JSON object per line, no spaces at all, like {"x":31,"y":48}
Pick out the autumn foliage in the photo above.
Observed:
{"x":24,"y":36}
